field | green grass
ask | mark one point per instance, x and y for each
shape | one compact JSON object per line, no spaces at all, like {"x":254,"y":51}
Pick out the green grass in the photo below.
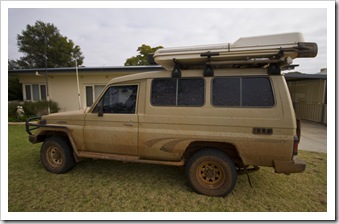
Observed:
{"x":110,"y":186}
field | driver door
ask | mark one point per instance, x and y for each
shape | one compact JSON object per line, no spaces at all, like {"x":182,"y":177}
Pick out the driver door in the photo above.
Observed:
{"x":112,"y":127}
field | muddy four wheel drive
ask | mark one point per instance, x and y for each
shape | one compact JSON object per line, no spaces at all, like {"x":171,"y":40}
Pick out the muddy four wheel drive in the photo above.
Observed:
{"x":215,"y":109}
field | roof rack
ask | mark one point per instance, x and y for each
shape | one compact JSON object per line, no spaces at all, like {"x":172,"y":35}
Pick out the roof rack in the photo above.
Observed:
{"x":275,"y":52}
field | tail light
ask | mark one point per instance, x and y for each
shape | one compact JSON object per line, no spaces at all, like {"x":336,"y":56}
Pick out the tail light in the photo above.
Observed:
{"x":299,"y":129}
{"x":295,"y":145}
{"x":297,"y":138}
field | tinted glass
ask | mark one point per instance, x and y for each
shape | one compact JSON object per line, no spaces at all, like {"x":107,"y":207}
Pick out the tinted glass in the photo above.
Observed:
{"x":226,"y":92}
{"x":242,"y":91}
{"x":119,"y":100}
{"x":257,"y":92}
{"x":178,"y":92}
{"x":191,"y":92}
{"x":164,"y":92}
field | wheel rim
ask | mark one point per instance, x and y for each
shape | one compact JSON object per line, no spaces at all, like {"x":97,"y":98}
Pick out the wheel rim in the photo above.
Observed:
{"x":54,"y":156}
{"x":210,"y":174}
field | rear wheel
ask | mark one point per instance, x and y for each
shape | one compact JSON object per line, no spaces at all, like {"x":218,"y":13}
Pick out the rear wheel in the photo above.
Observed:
{"x":57,"y":155}
{"x":211,"y":172}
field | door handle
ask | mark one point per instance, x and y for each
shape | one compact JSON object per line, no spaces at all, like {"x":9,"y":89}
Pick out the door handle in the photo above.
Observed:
{"x":128,"y":124}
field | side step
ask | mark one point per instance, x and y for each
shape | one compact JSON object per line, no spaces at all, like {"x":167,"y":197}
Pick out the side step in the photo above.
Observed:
{"x":124,"y":158}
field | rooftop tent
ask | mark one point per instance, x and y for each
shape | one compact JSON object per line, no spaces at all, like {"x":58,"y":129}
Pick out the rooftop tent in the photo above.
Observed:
{"x":279,"y":49}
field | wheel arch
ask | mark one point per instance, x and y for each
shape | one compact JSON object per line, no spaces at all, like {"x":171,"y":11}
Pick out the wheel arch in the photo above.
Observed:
{"x":228,"y":148}
{"x":58,"y":132}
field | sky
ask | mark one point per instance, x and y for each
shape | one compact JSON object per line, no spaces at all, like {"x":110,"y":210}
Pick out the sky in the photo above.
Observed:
{"x":108,"y":36}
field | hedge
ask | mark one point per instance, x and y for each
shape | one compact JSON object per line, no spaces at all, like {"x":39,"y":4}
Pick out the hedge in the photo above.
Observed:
{"x":31,"y":109}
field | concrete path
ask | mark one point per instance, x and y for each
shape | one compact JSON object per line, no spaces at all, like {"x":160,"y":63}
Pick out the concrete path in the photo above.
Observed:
{"x":313,"y":137}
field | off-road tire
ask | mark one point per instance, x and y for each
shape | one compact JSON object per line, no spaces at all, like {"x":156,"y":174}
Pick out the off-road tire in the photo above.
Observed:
{"x":211,"y":172}
{"x":57,"y":155}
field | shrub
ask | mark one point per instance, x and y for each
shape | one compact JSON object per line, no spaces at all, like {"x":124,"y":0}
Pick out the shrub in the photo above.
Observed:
{"x":31,"y":109}
{"x":39,"y":108}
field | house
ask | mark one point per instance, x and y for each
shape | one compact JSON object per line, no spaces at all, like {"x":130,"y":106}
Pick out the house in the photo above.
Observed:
{"x":308,"y":91}
{"x":61,"y":84}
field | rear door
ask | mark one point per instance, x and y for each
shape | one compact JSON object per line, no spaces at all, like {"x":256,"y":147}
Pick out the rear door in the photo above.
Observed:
{"x":112,"y":127}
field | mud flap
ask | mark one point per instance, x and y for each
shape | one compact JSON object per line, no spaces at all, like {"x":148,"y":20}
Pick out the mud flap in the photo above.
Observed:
{"x":292,"y":166}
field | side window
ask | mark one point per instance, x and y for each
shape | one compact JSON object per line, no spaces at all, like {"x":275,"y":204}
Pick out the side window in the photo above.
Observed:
{"x":191,"y":92}
{"x":257,"y":92}
{"x":242,"y":92}
{"x":164,"y":92}
{"x":119,"y":100}
{"x":178,"y":92}
{"x":226,"y":92}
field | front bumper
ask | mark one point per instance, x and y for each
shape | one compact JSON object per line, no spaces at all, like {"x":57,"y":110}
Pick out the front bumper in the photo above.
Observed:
{"x":33,"y":139}
{"x":32,"y":126}
{"x":292,"y":166}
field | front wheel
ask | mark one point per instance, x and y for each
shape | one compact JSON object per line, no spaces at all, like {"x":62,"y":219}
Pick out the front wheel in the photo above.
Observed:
{"x":211,"y":172}
{"x":57,"y":155}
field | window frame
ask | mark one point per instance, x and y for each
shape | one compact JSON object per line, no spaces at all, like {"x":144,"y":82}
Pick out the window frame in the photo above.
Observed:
{"x":94,"y":108}
{"x":93,"y":92}
{"x":30,"y":85}
{"x":241,"y":94}
{"x":177,"y":93}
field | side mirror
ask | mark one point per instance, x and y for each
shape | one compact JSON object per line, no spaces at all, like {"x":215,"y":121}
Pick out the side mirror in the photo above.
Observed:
{"x":100,"y":111}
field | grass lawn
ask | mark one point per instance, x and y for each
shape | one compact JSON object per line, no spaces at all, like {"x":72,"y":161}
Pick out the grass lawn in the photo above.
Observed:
{"x":110,"y":186}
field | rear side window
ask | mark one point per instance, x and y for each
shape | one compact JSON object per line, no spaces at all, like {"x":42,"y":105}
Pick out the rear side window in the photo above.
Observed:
{"x":242,"y":92}
{"x":178,"y":92}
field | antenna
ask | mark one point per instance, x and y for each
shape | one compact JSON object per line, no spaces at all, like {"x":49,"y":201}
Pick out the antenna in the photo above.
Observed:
{"x":77,"y":74}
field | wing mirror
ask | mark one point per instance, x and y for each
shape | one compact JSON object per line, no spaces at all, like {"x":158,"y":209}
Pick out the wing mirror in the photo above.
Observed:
{"x":100,"y":111}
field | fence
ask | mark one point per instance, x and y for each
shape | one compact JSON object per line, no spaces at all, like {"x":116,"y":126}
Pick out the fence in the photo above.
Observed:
{"x":311,"y":111}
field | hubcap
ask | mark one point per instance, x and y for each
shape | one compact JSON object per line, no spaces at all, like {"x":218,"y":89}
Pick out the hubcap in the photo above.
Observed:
{"x":54,"y":156}
{"x":210,"y":174}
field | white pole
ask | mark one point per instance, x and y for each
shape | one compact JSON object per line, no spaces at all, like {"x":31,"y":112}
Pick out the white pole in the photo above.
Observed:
{"x":47,"y":90}
{"x":76,"y":70}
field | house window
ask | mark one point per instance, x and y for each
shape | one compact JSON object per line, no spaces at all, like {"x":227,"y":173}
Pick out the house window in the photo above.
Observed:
{"x":43,"y":93}
{"x":28,"y":92}
{"x":92,"y":93}
{"x":35,"y":92}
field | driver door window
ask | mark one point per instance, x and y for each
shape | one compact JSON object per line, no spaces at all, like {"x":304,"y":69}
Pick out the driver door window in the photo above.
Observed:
{"x":118,"y":100}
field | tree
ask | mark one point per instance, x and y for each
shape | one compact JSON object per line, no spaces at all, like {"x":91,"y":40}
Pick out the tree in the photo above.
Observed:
{"x":14,"y":86}
{"x":14,"y":89}
{"x":43,"y":45}
{"x":142,"y":58}
{"x":12,"y":65}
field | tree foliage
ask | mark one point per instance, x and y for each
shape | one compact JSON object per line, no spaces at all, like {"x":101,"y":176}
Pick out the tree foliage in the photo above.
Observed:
{"x":44,"y":41}
{"x":142,"y":58}
{"x":14,"y":89}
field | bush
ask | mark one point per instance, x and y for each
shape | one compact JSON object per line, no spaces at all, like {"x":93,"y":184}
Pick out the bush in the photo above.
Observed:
{"x":39,"y":108}
{"x":31,"y":109}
